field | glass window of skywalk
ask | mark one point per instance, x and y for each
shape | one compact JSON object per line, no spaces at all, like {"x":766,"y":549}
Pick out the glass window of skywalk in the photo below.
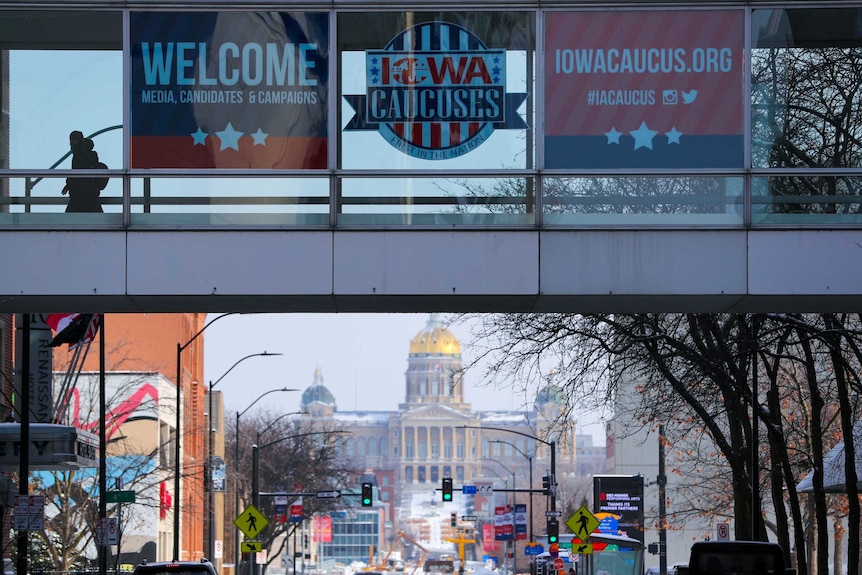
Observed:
{"x":412,"y":116}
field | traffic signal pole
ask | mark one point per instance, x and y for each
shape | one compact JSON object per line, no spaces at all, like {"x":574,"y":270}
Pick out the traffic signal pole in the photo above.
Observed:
{"x":662,"y":513}
{"x":553,"y":446}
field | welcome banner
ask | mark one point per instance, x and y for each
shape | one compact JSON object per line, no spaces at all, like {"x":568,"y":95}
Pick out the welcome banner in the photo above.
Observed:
{"x":229,"y":90}
{"x":647,"y":89}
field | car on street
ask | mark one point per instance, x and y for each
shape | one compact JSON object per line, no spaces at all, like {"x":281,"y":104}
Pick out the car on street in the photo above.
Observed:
{"x":202,"y":567}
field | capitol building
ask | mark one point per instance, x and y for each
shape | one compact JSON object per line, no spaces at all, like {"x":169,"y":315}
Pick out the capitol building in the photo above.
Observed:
{"x":435,"y":433}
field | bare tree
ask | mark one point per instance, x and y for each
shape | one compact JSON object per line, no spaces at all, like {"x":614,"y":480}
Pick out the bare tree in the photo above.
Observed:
{"x":701,"y":374}
{"x":298,"y":456}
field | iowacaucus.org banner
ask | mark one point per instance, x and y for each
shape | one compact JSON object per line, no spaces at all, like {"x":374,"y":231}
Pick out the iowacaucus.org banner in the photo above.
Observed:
{"x":644,"y":89}
{"x":229,"y":90}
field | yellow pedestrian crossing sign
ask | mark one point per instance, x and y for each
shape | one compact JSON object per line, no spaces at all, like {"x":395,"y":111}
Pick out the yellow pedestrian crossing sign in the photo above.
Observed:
{"x":582,"y":523}
{"x":251,"y":546}
{"x":251,"y":522}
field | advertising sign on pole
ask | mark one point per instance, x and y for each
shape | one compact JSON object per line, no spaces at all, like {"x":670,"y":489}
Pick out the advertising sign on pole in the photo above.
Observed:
{"x":504,"y":523}
{"x":488,"y":536}
{"x":623,"y":497}
{"x":322,"y":529}
{"x":296,"y":511}
{"x":521,"y":521}
{"x":279,"y":510}
{"x":218,"y":476}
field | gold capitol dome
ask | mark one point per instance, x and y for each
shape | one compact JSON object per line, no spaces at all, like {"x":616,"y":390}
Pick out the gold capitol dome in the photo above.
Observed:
{"x":435,"y":340}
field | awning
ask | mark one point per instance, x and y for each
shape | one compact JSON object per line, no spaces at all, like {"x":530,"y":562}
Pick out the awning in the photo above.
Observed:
{"x":834,"y":477}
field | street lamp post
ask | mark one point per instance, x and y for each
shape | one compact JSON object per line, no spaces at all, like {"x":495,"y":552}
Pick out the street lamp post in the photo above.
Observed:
{"x":211,"y":455}
{"x":177,"y":452}
{"x":530,"y":460}
{"x":277,"y":419}
{"x":237,"y":554}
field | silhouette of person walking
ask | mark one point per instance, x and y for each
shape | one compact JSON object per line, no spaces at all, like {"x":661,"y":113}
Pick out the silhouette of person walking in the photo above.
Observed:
{"x":83,"y":192}
{"x":583,"y":525}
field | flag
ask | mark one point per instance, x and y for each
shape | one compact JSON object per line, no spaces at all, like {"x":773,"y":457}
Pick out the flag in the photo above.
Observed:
{"x":73,"y":328}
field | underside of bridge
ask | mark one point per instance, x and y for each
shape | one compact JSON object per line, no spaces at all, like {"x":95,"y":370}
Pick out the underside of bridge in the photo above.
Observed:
{"x":610,"y":271}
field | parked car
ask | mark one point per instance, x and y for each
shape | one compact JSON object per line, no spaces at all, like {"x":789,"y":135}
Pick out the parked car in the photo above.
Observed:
{"x":202,"y":567}
{"x":737,"y":558}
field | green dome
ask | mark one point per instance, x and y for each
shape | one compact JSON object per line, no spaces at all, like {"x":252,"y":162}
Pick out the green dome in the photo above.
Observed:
{"x":551,"y":394}
{"x":317,"y":393}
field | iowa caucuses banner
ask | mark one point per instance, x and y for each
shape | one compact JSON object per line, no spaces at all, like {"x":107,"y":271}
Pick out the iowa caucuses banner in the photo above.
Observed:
{"x":229,"y":90}
{"x":647,"y":89}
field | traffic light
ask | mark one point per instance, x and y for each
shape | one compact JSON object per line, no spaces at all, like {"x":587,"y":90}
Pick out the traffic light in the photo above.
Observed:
{"x":553,"y":529}
{"x":453,"y":518}
{"x":546,"y":484}
{"x":366,"y":494}
{"x":447,"y":489}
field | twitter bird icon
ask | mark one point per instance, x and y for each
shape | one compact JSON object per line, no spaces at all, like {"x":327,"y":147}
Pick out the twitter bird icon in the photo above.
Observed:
{"x":689,"y":97}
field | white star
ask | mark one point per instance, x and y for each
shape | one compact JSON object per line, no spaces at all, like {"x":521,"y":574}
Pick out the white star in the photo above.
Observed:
{"x":199,"y":137}
{"x":673,"y":136}
{"x":229,"y":138}
{"x":613,"y":136}
{"x":259,"y":137}
{"x":643,"y":136}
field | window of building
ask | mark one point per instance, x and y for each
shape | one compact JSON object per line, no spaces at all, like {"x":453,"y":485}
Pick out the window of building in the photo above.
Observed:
{"x":803,"y":62}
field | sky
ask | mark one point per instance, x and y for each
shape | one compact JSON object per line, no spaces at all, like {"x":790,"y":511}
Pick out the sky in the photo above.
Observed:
{"x":362,"y":357}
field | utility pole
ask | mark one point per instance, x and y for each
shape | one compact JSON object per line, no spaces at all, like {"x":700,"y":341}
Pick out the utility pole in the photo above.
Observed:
{"x":662,"y":512}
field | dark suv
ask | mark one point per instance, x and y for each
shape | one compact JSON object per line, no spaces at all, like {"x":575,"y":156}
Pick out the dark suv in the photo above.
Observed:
{"x":202,"y":567}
